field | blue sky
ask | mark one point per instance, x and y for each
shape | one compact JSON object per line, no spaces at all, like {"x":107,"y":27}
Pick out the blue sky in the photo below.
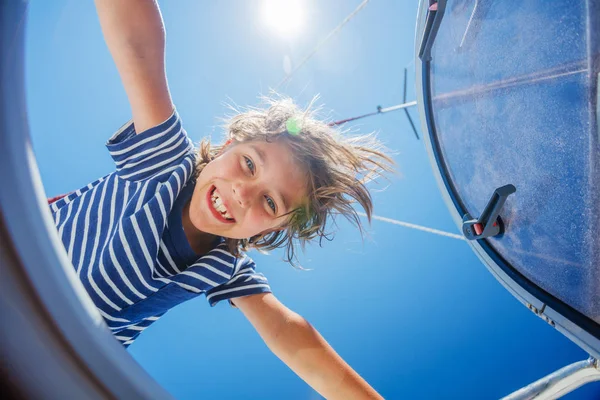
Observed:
{"x":414,"y":313}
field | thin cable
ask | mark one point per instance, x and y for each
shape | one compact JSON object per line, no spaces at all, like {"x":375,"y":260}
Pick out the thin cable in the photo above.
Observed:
{"x":417,"y":227}
{"x":322,"y":42}
{"x":380,"y":110}
{"x":412,"y":124}
{"x":399,"y":106}
{"x":459,"y":237}
{"x":343,"y":121}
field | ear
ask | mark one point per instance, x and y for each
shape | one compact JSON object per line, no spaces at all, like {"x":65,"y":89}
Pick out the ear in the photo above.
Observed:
{"x":225,"y":146}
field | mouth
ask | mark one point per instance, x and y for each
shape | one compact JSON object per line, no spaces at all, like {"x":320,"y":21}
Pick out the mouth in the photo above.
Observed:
{"x":217,"y":207}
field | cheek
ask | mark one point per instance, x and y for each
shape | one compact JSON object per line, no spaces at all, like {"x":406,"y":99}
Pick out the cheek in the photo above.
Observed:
{"x":225,"y":166}
{"x":216,"y":169}
{"x":258,"y":221}
{"x":196,"y":202}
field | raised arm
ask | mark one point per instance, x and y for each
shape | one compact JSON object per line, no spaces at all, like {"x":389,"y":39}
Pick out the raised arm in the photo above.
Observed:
{"x":135,"y":35}
{"x":291,"y":338}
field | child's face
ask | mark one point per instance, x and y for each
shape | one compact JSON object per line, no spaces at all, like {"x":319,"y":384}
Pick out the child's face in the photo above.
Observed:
{"x":246,"y":190}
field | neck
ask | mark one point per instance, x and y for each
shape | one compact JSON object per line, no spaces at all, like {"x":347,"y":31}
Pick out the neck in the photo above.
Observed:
{"x":200,"y":242}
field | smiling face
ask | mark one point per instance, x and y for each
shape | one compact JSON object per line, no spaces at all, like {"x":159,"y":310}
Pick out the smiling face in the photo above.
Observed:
{"x":247,"y":190}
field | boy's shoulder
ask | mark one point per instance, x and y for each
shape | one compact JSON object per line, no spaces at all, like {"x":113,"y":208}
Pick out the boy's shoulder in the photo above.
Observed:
{"x":143,"y":155}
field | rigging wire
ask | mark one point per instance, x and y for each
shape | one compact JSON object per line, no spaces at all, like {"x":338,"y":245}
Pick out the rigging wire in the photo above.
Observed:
{"x":321,"y":43}
{"x":414,"y":226}
{"x":380,"y":110}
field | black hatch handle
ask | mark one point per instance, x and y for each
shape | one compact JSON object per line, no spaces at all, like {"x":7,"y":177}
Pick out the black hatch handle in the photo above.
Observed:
{"x":435,"y":12}
{"x":489,"y":223}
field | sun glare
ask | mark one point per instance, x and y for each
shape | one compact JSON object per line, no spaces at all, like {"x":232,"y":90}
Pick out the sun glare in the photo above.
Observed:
{"x":284,"y":17}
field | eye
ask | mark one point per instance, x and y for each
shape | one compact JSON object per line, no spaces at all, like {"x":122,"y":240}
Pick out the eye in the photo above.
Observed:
{"x":271,"y":203}
{"x":249,"y":164}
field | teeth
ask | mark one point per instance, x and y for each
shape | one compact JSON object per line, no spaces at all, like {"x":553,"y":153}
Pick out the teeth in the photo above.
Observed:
{"x":219,"y":206}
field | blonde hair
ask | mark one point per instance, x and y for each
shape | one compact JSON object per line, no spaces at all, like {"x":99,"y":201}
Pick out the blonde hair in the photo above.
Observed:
{"x":337,"y":168}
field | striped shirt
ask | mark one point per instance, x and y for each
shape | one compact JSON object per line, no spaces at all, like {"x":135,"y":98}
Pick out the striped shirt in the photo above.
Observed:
{"x":124,"y":236}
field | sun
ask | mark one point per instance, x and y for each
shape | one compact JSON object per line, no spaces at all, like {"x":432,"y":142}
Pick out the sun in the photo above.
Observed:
{"x":284,"y":17}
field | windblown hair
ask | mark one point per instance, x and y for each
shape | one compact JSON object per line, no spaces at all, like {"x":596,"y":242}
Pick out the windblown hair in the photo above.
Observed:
{"x":337,"y":167}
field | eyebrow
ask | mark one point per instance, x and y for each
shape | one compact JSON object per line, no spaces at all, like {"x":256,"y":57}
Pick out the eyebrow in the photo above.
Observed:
{"x":261,"y":154}
{"x":262,"y":160}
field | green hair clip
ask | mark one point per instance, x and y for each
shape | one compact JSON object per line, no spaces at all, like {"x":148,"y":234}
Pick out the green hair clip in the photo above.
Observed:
{"x":293,"y":126}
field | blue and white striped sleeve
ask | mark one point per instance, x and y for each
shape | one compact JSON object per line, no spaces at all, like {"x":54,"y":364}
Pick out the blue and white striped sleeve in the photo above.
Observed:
{"x":143,"y":155}
{"x":245,"y":282}
{"x":128,"y":335}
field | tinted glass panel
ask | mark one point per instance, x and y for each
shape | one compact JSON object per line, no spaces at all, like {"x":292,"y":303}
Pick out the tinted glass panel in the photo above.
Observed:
{"x":513,"y":95}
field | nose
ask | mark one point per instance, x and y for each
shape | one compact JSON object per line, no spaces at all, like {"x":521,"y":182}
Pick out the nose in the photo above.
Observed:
{"x":244,"y":193}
